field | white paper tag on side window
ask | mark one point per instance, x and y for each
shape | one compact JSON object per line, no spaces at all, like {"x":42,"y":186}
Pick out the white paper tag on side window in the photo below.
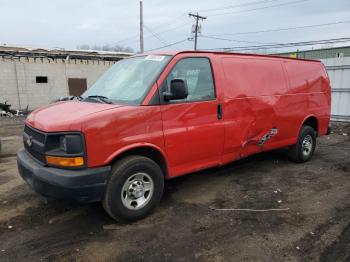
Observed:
{"x":155,"y":57}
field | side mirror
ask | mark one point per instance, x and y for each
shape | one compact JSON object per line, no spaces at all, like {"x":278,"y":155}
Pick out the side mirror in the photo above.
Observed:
{"x":178,"y":90}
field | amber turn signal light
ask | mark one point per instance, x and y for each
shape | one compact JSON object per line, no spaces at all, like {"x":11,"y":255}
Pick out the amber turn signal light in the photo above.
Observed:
{"x":65,"y":161}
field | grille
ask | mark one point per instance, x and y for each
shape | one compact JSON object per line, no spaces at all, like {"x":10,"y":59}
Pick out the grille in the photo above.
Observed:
{"x":37,"y":147}
{"x":38,"y":136}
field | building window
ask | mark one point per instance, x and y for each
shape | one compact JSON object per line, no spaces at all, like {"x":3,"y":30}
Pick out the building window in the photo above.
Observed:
{"x":41,"y":79}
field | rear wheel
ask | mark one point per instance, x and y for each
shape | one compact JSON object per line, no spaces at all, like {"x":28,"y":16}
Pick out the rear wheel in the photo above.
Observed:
{"x":304,"y":149}
{"x":134,"y":188}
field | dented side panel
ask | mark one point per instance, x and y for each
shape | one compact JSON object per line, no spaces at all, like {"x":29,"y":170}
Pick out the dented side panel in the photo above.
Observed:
{"x":266,"y":102}
{"x":255,"y":109}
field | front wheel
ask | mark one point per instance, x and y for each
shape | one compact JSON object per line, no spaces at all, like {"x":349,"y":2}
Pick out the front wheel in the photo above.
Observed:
{"x":134,"y":188}
{"x":303,"y":150}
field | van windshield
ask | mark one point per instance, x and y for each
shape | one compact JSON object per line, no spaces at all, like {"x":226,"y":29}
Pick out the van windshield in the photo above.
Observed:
{"x":128,"y":80}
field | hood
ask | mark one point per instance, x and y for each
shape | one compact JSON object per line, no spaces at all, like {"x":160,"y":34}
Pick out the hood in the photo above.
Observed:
{"x":65,"y":116}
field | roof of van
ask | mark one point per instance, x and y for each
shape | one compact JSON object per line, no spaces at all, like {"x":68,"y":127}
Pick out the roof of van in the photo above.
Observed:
{"x":169,"y":52}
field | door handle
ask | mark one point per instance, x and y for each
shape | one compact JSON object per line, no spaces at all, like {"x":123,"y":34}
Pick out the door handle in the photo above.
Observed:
{"x":219,"y":111}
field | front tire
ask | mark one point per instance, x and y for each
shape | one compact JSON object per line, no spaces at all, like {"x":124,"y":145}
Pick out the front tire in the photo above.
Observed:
{"x":134,"y":188}
{"x":304,"y":149}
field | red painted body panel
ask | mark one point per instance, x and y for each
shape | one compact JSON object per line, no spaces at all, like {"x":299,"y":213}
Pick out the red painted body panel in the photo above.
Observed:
{"x":112,"y":132}
{"x":257,"y":93}
{"x":64,"y":116}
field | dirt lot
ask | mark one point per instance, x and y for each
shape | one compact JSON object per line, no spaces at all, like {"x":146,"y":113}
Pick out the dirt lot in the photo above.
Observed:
{"x":186,"y":226}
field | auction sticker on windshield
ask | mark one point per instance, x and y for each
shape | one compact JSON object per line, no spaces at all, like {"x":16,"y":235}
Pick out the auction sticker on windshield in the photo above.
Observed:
{"x":155,"y":57}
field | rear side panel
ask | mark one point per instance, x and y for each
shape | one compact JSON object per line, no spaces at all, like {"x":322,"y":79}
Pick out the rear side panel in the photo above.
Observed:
{"x":308,"y":94}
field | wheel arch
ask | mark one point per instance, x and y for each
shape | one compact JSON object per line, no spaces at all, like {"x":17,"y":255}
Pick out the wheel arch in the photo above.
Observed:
{"x":311,"y":121}
{"x":148,"y":150}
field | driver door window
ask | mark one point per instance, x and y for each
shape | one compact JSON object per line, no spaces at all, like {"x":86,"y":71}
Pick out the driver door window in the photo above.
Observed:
{"x":198,"y":75}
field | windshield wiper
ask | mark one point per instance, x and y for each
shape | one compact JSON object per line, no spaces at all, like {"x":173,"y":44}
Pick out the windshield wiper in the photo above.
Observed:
{"x":67,"y":98}
{"x":101,"y":98}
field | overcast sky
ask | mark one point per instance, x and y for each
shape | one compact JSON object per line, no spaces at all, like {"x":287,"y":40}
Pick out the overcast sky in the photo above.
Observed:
{"x":69,"y":23}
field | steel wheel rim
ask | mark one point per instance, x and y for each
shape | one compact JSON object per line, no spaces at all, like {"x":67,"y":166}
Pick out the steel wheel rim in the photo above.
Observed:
{"x":137,"y":191}
{"x":306,"y":145}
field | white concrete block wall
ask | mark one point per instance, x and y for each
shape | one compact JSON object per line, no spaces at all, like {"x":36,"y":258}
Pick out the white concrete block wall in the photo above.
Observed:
{"x":18,"y":79}
{"x":8,"y":83}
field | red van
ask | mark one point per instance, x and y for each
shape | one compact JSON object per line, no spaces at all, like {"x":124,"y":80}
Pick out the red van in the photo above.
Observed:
{"x":153,"y":117}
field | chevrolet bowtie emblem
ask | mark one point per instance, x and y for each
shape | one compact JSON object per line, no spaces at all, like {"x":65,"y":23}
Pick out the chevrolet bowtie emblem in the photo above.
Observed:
{"x":29,"y":141}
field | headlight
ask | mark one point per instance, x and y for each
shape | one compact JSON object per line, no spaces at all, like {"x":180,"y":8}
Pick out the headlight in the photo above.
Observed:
{"x":63,"y":143}
{"x":65,"y":150}
{"x":71,"y":144}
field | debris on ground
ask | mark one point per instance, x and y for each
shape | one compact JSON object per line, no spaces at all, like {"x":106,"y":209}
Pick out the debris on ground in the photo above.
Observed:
{"x":251,"y":210}
{"x":277,"y":191}
{"x":5,"y":110}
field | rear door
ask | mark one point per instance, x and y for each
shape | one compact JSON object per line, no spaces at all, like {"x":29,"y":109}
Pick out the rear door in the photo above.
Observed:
{"x":193,"y":129}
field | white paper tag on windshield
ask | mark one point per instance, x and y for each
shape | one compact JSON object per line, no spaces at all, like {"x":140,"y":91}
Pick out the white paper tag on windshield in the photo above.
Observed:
{"x":155,"y":57}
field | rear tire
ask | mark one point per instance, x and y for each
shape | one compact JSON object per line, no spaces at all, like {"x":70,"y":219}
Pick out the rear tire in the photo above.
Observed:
{"x":134,"y":188}
{"x":304,"y":149}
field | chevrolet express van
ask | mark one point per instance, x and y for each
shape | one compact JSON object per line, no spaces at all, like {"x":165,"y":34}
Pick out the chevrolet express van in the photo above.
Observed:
{"x":153,"y":117}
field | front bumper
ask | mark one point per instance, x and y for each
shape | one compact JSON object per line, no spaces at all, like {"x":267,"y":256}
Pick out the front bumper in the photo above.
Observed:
{"x":86,"y":185}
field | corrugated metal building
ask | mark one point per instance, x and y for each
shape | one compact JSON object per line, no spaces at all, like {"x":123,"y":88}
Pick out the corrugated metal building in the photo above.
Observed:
{"x":33,"y":77}
{"x":332,"y":52}
{"x":339,"y":73}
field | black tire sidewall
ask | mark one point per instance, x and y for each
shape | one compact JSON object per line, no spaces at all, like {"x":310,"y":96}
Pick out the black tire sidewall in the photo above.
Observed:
{"x":306,"y":130}
{"x":119,"y":175}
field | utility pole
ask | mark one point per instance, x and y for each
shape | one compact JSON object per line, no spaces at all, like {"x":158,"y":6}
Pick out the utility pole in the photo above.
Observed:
{"x":196,"y":27}
{"x":141,"y":28}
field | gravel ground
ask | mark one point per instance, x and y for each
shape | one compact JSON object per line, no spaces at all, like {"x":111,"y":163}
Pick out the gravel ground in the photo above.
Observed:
{"x":312,"y":225}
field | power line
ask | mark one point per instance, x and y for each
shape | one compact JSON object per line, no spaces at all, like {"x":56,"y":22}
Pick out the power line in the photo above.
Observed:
{"x":235,"y":40}
{"x":155,"y":35}
{"x":305,"y":43}
{"x":293,"y":44}
{"x":282,"y":45}
{"x":262,"y":31}
{"x":183,"y":15}
{"x":283,"y":29}
{"x":235,"y":6}
{"x":175,"y":43}
{"x":260,"y":8}
{"x":171,"y":29}
{"x":135,"y":37}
